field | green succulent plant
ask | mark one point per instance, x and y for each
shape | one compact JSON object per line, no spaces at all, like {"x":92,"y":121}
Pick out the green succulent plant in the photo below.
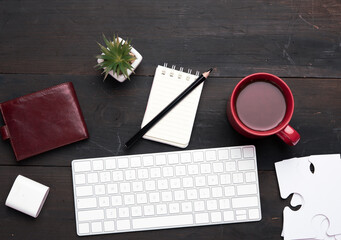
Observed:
{"x":116,"y":56}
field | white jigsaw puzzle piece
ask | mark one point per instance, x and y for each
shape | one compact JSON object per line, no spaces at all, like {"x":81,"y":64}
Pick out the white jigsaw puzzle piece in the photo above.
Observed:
{"x":296,"y":200}
{"x":294,"y":176}
{"x":321,"y":224}
{"x":328,"y":178}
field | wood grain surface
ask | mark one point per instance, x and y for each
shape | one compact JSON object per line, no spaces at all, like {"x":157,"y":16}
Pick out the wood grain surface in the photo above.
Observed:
{"x":44,"y":43}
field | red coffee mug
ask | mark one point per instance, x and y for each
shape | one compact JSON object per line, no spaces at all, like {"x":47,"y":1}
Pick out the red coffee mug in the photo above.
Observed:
{"x":282,"y":130}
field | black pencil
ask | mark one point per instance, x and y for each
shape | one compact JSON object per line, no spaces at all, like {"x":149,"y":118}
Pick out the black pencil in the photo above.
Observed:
{"x":158,"y":117}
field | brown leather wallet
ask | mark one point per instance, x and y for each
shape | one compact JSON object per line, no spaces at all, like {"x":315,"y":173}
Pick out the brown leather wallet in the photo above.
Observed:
{"x":43,"y":120}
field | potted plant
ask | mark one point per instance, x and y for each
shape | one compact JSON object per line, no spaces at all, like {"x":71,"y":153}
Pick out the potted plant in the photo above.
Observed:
{"x":118,"y":59}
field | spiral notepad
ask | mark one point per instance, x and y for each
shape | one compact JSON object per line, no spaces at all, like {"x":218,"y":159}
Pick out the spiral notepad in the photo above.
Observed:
{"x":176,"y":127}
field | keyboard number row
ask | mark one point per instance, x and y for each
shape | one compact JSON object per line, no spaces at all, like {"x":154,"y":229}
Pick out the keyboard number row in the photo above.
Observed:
{"x":162,"y":159}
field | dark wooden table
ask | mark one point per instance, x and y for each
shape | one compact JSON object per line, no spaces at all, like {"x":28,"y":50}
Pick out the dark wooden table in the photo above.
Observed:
{"x":44,"y":43}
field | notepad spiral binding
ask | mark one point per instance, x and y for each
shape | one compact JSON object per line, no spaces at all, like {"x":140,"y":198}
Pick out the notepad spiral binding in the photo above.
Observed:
{"x":181,"y":70}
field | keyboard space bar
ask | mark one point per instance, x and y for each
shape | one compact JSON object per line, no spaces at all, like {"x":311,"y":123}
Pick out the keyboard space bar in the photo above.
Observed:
{"x":167,"y":221}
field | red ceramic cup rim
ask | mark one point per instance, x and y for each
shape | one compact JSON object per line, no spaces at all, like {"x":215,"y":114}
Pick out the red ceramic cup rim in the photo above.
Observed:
{"x":289,"y":99}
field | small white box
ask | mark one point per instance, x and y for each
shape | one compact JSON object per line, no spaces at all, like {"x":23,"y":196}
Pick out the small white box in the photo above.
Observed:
{"x":27,"y":196}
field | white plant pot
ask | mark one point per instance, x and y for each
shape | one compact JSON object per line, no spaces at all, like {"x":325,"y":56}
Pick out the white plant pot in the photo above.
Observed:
{"x":121,"y":77}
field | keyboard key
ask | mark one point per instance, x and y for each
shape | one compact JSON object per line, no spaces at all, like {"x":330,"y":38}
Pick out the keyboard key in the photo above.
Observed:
{"x":212,"y":204}
{"x":173,"y":158}
{"x":155,"y":222}
{"x":236,"y":153}
{"x":110,"y":163}
{"x":185,"y":157}
{"x":241,"y":217}
{"x":136,"y":211}
{"x":111,"y":213}
{"x":83,"y":228}
{"x":228,"y":216}
{"x":82,"y":166}
{"x":198,"y":156}
{"x":224,"y":203}
{"x":142,"y":173}
{"x":124,"y":187}
{"x":105,"y":177}
{"x":204,"y":193}
{"x":92,"y":177}
{"x":148,"y":161}
{"x":162,"y":184}
{"x":148,"y":210}
{"x":117,"y":176}
{"x":174,"y":208}
{"x":161,"y":209}
{"x":200,"y":181}
{"x":86,"y":203}
{"x":186,"y":207}
{"x":212,"y":180}
{"x":250,"y":177}
{"x":247,"y":189}
{"x":123,"y":225}
{"x":205,"y":168}
{"x":155,"y":172}
{"x":216,"y":217}
{"x":130,"y":175}
{"x":103,"y":201}
{"x":199,"y":206}
{"x":96,"y":227}
{"x":180,"y":170}
{"x":192,"y":194}
{"x":193,"y":169}
{"x":154,"y":197}
{"x":129,"y":199}
{"x":245,"y":202}
{"x":248,"y":152}
{"x":109,"y":226}
{"x":167,"y":196}
{"x":150,"y":185}
{"x":90,"y":215}
{"x":246,"y":165}
{"x":168,"y":171}
{"x":217,"y":192}
{"x":237,"y":178}
{"x":137,"y":186}
{"x":175,"y":183}
{"x":179,"y":195}
{"x":123,"y":212}
{"x":201,"y":218}
{"x":122,"y":162}
{"x":187,"y":182}
{"x":97,"y":165}
{"x":84,"y":191}
{"x":80,"y":178}
{"x":116,"y":201}
{"x":229,"y":191}
{"x":99,"y":189}
{"x":160,"y":160}
{"x":141,"y":198}
{"x":218,"y":167}
{"x":135,"y":162}
{"x":210,"y":155}
{"x":254,"y":213}
{"x":223,"y":154}
{"x":230,"y":166}
{"x":225,"y":179}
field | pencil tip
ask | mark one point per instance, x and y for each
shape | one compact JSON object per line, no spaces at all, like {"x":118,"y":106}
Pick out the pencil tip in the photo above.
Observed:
{"x":210,"y":70}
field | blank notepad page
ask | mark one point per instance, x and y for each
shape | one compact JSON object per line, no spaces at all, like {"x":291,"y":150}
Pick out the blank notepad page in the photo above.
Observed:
{"x":176,"y":127}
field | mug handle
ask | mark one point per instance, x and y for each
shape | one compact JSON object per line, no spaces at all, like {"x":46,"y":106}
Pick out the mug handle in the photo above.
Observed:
{"x":289,"y":135}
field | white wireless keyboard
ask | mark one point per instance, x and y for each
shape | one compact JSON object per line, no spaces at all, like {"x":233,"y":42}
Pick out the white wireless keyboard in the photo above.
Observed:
{"x":166,"y":190}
